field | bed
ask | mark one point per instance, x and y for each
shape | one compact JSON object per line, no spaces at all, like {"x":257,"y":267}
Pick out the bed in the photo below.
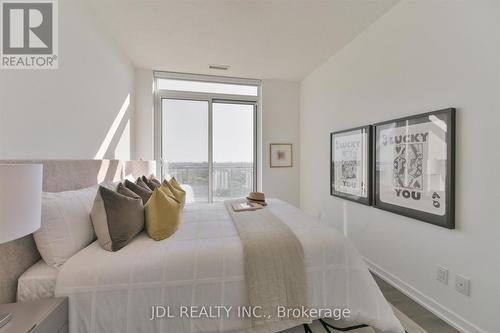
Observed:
{"x":202,"y":265}
{"x":38,"y":282}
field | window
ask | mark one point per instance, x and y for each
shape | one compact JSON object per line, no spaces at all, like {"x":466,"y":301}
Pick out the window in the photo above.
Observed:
{"x":207,"y":87}
{"x":206,"y":135}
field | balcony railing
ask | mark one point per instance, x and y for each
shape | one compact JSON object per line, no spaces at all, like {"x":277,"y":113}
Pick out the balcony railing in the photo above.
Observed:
{"x":230,"y":180}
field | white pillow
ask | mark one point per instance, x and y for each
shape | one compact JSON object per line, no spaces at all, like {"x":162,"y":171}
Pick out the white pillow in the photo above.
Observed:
{"x":66,"y":226}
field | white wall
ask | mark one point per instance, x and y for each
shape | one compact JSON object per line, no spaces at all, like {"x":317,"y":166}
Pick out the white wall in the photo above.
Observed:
{"x":421,"y":56}
{"x":144,"y":114}
{"x":280,"y":124}
{"x":70,"y":112}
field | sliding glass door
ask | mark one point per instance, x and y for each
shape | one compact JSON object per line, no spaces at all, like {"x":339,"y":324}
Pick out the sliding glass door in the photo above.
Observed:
{"x":233,"y":149}
{"x":209,"y":146}
{"x":185,"y":147}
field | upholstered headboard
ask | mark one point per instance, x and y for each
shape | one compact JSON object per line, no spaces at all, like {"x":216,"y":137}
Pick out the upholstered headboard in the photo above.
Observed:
{"x":59,"y":175}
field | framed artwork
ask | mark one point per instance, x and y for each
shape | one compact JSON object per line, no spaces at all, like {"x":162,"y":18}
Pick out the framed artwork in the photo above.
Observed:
{"x":414,"y":167}
{"x":350,"y":164}
{"x":281,"y":155}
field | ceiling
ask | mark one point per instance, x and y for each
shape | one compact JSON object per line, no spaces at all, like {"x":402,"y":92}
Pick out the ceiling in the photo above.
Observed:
{"x":265,"y":39}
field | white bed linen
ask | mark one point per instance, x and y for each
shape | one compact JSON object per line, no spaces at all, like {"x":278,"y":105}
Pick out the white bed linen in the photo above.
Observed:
{"x":39,"y":281}
{"x":202,"y":264}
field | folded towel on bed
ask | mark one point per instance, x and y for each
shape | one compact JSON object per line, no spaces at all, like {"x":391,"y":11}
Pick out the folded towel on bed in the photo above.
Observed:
{"x":275,"y":271}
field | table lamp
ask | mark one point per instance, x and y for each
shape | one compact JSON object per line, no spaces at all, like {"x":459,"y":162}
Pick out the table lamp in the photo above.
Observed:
{"x":20,"y":204}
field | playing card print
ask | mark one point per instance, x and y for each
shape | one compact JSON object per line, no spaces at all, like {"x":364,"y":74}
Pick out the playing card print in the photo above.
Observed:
{"x":413,"y":166}
{"x":350,"y":164}
{"x":408,"y":165}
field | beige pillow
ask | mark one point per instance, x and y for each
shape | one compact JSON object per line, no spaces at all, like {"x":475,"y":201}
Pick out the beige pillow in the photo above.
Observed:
{"x":163,"y":215}
{"x":117,"y":218}
{"x":180,"y":195}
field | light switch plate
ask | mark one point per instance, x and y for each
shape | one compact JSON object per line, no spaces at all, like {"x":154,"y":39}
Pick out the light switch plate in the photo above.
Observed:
{"x":442,"y":274}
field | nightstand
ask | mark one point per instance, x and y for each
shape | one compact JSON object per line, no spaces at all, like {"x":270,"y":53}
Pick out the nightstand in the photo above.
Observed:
{"x":43,"y":316}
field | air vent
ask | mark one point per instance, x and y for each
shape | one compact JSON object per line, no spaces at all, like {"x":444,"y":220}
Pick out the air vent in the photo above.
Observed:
{"x":219,"y":67}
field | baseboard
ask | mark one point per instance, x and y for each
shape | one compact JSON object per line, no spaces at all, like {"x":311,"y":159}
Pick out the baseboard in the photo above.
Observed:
{"x":453,"y":319}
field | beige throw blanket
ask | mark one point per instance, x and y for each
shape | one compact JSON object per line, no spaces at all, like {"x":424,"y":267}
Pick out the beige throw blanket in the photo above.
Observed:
{"x":275,"y":271}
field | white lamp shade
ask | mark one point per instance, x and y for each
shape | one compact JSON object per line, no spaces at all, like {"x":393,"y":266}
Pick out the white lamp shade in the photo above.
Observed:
{"x":20,"y":200}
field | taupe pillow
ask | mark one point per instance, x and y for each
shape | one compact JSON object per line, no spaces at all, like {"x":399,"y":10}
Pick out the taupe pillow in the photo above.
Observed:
{"x":116,"y":218}
{"x":152,"y":185}
{"x":144,"y":193}
{"x":126,"y":192}
{"x":154,"y":180}
{"x":142,"y":183}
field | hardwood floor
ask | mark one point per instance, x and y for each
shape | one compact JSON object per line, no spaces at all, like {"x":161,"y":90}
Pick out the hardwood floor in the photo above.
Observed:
{"x":426,"y":319}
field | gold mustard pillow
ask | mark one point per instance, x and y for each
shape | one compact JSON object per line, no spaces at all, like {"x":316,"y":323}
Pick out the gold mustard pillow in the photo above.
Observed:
{"x":167,"y":191}
{"x":163,"y":215}
{"x":175,"y":184}
{"x":178,"y":193}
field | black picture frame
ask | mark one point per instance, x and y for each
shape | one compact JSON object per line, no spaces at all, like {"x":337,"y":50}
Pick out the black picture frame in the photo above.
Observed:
{"x":444,"y":120}
{"x":368,"y":165}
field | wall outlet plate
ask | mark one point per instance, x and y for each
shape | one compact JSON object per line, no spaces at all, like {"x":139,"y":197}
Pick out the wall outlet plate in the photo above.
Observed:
{"x":462,"y":285}
{"x":442,"y":274}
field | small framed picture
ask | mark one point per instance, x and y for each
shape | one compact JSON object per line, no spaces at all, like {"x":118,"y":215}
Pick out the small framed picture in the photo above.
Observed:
{"x":350,"y":164}
{"x":280,"y":155}
{"x":414,"y":167}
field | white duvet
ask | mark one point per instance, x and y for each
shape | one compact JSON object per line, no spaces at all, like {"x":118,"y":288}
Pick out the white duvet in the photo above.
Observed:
{"x":202,"y":265}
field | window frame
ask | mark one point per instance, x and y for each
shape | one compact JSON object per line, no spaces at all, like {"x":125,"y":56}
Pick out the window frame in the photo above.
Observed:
{"x":210,"y":98}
